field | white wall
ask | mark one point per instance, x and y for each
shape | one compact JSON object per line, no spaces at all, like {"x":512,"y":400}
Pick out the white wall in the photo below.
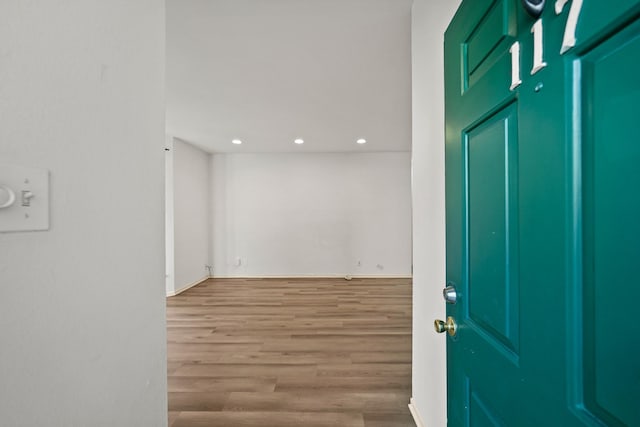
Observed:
{"x":82,"y":306}
{"x":191,"y":214}
{"x":429,"y":21}
{"x":311,"y":214}
{"x":169,"y":247}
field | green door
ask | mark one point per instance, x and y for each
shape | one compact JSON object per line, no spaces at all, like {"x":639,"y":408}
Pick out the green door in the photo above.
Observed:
{"x":543,"y":213}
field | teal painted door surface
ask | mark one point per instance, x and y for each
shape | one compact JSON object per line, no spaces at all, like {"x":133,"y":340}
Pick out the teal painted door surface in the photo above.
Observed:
{"x":543,"y":213}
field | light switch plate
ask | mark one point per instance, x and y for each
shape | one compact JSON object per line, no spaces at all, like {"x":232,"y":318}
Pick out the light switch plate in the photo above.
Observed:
{"x":30,"y":210}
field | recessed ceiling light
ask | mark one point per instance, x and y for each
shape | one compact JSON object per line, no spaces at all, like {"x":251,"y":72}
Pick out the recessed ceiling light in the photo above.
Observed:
{"x":236,"y":142}
{"x":299,"y":141}
{"x":361,"y":141}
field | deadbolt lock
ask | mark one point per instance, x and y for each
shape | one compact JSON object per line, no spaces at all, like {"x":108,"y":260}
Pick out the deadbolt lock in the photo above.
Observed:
{"x":450,"y":294}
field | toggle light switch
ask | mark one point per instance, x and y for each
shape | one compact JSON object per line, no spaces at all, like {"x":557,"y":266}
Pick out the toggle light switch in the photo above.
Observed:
{"x":24,"y":198}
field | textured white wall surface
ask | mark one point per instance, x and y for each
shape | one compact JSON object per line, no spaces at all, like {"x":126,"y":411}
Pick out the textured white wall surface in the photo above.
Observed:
{"x":82,"y":306}
{"x":191,"y":214}
{"x":311,"y":214}
{"x":429,"y":21}
{"x":170,"y":244}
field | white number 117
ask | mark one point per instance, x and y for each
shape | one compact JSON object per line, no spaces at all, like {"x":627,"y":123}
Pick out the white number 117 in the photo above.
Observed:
{"x":568,"y":41}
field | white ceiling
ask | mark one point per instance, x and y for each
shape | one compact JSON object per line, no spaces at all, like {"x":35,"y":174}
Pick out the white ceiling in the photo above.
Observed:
{"x":270,"y":71}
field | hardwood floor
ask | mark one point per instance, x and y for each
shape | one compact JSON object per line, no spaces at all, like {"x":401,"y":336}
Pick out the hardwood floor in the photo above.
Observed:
{"x":285,"y":353}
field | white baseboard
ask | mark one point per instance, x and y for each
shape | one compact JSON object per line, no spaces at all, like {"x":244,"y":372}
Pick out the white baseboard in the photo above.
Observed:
{"x":415,"y":414}
{"x":185,"y":287}
{"x":314,"y":277}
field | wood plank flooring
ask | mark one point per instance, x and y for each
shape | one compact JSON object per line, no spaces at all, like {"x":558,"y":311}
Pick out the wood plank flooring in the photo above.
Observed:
{"x":289,"y":353}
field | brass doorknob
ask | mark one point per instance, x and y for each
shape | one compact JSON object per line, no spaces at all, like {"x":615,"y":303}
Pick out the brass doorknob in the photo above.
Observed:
{"x":449,"y":326}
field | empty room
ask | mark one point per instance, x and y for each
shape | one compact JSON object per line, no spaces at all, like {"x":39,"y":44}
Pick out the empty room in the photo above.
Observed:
{"x":289,"y":247}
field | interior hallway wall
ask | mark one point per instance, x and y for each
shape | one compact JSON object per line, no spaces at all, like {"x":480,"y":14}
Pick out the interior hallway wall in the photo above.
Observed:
{"x":429,"y":21}
{"x":169,"y":247}
{"x":82,"y":306}
{"x":191,"y":214}
{"x":331,"y":214}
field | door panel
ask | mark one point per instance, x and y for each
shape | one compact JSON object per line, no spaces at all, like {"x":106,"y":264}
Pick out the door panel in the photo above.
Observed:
{"x":611,"y":174}
{"x":481,"y":413}
{"x":492,"y":206}
{"x":599,"y":18}
{"x":485,"y":43}
{"x":542,"y":216}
